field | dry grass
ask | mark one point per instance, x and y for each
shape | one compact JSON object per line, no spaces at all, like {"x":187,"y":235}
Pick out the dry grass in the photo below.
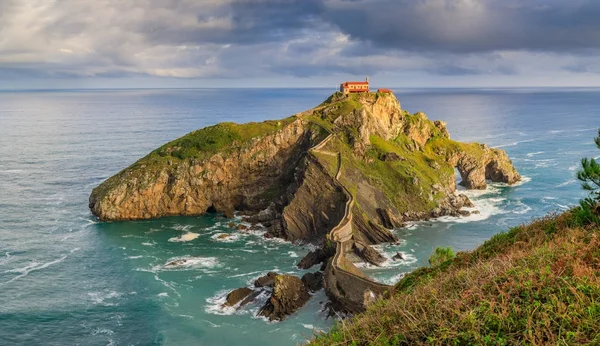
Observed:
{"x":534,"y":285}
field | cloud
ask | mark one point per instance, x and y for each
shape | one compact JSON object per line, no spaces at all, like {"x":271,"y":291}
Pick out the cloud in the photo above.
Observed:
{"x":234,"y":39}
{"x":471,"y":25}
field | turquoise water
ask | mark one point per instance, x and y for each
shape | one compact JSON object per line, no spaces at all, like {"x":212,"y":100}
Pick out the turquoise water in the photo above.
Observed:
{"x":67,"y":279}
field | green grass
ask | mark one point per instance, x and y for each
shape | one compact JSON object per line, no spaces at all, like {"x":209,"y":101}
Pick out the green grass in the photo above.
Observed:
{"x":210,"y":140}
{"x":537,"y":284}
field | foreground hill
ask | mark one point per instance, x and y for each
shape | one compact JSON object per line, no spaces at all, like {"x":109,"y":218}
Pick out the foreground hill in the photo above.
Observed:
{"x":537,"y":284}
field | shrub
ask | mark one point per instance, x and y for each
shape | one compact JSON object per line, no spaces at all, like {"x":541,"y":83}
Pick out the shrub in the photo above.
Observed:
{"x":441,"y":255}
{"x":589,"y":211}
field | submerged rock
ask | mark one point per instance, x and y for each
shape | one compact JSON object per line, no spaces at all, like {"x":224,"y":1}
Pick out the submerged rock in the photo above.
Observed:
{"x":289,"y":295}
{"x":398,"y":257}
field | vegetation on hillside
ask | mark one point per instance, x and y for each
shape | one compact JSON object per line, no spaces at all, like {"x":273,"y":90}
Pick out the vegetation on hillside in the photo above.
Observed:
{"x":590,"y":176}
{"x":536,"y":284}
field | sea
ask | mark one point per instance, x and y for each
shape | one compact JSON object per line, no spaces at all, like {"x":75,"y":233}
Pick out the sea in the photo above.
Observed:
{"x":68,"y":279}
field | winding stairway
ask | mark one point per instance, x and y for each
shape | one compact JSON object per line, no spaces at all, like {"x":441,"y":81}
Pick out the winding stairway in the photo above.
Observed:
{"x":347,"y":285}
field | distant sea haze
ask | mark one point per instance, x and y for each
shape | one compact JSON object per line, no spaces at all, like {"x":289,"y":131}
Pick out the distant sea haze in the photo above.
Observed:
{"x":67,"y":279}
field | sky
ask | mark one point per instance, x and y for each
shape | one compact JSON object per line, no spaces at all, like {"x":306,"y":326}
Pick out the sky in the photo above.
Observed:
{"x":298,"y":43}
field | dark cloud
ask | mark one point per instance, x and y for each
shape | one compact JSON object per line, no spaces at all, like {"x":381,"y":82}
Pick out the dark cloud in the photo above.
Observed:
{"x":466,"y":26}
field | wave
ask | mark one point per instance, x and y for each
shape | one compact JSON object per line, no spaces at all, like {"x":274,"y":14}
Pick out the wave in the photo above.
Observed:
{"x":34,"y":266}
{"x":189,"y":236}
{"x":5,"y":259}
{"x":515,"y":143}
{"x":567,"y":183}
{"x":226,"y":237}
{"x":522,"y":208}
{"x":103,"y":298}
{"x":187,"y":262}
{"x":535,"y":153}
{"x":215,"y":305}
{"x":179,"y":227}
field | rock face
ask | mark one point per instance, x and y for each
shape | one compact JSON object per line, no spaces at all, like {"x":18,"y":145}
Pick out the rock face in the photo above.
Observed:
{"x":243,"y":176}
{"x":316,"y":257}
{"x":289,"y":295}
{"x":479,"y":164}
{"x":313,"y":281}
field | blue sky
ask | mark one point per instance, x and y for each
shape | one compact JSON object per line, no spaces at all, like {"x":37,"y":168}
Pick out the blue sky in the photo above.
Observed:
{"x":304,"y":43}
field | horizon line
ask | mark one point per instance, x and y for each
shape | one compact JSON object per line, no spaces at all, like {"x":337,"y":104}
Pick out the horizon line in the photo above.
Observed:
{"x":296,"y":88}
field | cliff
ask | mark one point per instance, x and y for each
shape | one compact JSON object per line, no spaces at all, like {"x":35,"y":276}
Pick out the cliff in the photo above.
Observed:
{"x":398,"y":166}
{"x":537,"y":284}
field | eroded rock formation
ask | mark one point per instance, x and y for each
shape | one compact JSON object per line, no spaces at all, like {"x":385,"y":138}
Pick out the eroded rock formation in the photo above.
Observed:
{"x":289,"y":295}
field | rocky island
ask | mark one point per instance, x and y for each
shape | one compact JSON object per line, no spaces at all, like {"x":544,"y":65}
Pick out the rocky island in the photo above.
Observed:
{"x":340,"y":176}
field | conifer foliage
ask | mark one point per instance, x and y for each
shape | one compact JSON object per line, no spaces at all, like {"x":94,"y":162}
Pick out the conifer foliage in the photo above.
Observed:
{"x":590,"y":177}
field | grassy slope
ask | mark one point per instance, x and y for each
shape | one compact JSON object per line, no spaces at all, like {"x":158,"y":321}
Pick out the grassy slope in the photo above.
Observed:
{"x":535,"y":284}
{"x":198,"y":145}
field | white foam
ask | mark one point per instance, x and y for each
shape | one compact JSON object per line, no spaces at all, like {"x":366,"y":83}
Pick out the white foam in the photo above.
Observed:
{"x":292,"y":254}
{"x":522,"y":208}
{"x":514,"y":143}
{"x":311,"y":327}
{"x":535,"y":153}
{"x":184,"y":228}
{"x":100,"y":298}
{"x":33,"y":266}
{"x":225,"y":237}
{"x":524,"y":180}
{"x":567,"y":183}
{"x":189,"y":236}
{"x":5,"y":259}
{"x":163,"y":294}
{"x":148,"y":244}
{"x":134,"y":257}
{"x":215,"y":304}
{"x":187,"y":262}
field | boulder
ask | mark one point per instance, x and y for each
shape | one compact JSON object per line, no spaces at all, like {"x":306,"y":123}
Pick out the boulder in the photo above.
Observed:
{"x":391,"y":157}
{"x":237,"y":295}
{"x":250,"y":298}
{"x":266,"y":280}
{"x":289,"y":295}
{"x":368,"y":254}
{"x":313,"y":281}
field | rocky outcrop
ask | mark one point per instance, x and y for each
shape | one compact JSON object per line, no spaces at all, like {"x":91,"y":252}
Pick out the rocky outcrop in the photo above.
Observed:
{"x":266,"y":280}
{"x":313,"y":281}
{"x":477,"y":163}
{"x":317,"y":257}
{"x":246,"y":176}
{"x":289,"y":295}
{"x":368,"y":254}
{"x":237,"y":296}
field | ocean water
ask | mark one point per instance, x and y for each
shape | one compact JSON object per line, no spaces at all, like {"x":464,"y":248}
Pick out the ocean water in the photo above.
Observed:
{"x":67,"y":279}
